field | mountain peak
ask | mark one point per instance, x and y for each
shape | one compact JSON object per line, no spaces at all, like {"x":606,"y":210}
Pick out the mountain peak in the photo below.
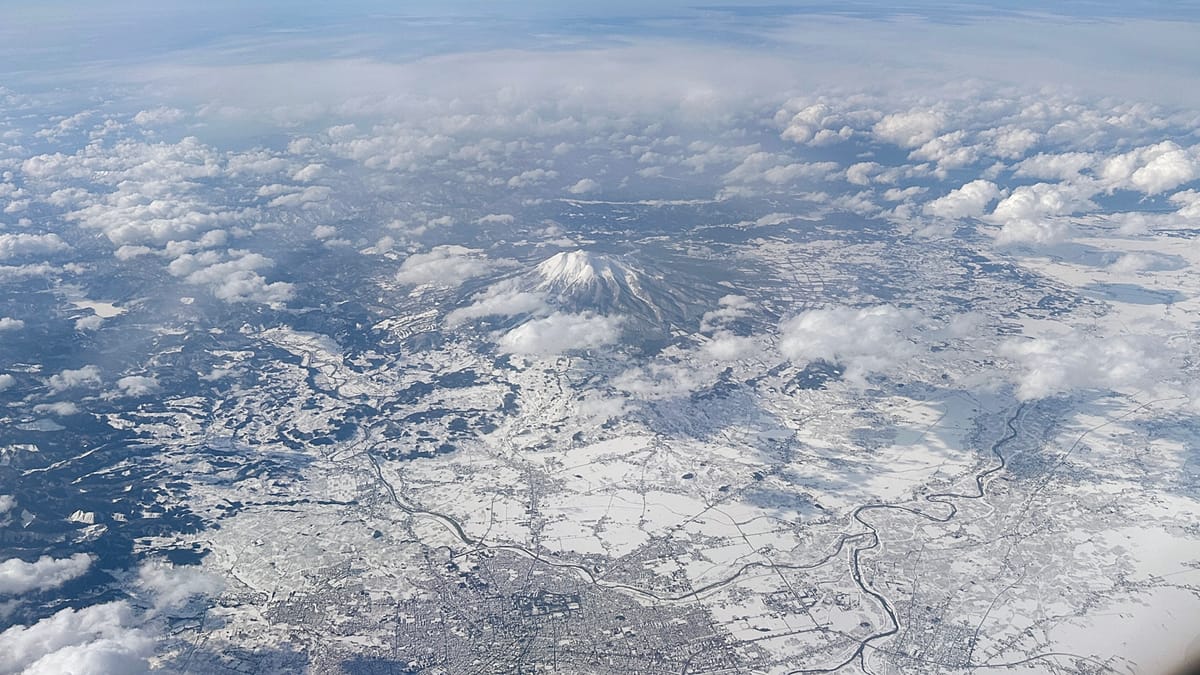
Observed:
{"x":579,"y":268}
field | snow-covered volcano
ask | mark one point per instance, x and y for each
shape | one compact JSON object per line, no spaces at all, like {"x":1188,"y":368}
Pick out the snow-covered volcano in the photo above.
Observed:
{"x":587,"y":281}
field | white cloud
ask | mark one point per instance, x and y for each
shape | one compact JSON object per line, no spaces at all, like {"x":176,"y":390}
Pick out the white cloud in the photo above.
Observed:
{"x":255,"y":163}
{"x":766,"y":167}
{"x":1189,"y":203}
{"x":725,"y":346}
{"x":7,"y":381}
{"x":947,"y":151}
{"x":496,"y":219}
{"x":308,"y":173}
{"x":1011,"y":142}
{"x":1027,"y":215}
{"x":1133,"y":261}
{"x":901,"y":194}
{"x":448,"y":265}
{"x":860,"y":173}
{"x":910,"y":129}
{"x":158,"y":116}
{"x":22,"y":244}
{"x":658,"y":381}
{"x":816,"y":124}
{"x":561,"y":332}
{"x":232,"y":280}
{"x":1041,"y":232}
{"x":968,"y":201}
{"x":137,"y":385}
{"x":60,"y":408}
{"x":18,"y":576}
{"x":868,"y":340}
{"x":90,"y":322}
{"x":531,"y":177}
{"x":309,"y":195}
{"x":503,"y":299}
{"x":96,"y":640}
{"x":7,"y":503}
{"x":9,"y":323}
{"x":69,"y":379}
{"x":1062,"y":166}
{"x":1052,"y":365}
{"x":1151,"y":169}
{"x":729,"y":308}
{"x":584,"y":186}
{"x":173,"y":587}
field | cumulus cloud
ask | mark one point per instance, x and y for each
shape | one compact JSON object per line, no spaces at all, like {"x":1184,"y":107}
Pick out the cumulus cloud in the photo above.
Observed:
{"x":561,"y":332}
{"x":948,"y":151}
{"x":1010,"y":142}
{"x":309,"y":195}
{"x":18,"y":576}
{"x":308,"y":173}
{"x":766,"y":167}
{"x":968,"y":201}
{"x":729,"y":308}
{"x":1061,"y":166}
{"x":1134,"y":261}
{"x":816,"y":124}
{"x":503,"y":299}
{"x":1052,"y":365}
{"x":9,"y":323}
{"x":867,"y":340}
{"x":234,"y":279}
{"x":96,"y":640}
{"x":137,"y":385}
{"x":60,"y":408}
{"x":20,"y":245}
{"x":90,"y":322}
{"x":658,"y":381}
{"x":1028,"y":214}
{"x":7,"y":381}
{"x":448,"y":265}
{"x":496,"y":219}
{"x":910,"y":129}
{"x":584,"y":186}
{"x":531,"y":177}
{"x":860,"y":172}
{"x":172,"y":587}
{"x":158,"y":116}
{"x":80,"y":377}
{"x":1151,"y":169}
{"x":725,"y":346}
